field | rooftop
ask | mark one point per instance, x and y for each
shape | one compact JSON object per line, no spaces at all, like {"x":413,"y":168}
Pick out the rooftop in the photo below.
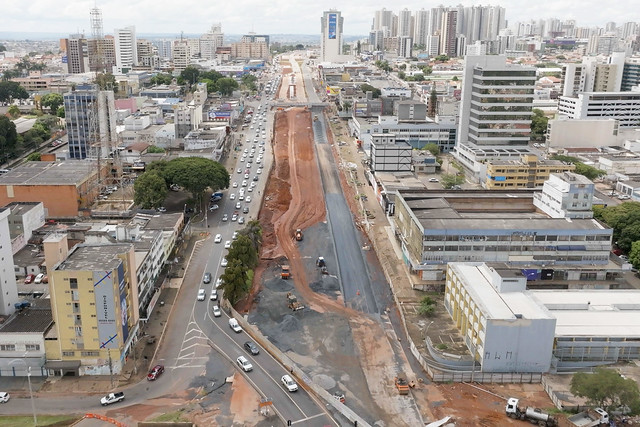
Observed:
{"x":67,"y":172}
{"x":94,"y":257}
{"x":37,"y":318}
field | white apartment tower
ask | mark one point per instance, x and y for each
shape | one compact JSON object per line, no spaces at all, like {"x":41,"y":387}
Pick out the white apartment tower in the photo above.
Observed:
{"x":421,"y":27}
{"x":126,"y":49}
{"x":210,"y":41}
{"x":331,"y":39}
{"x":383,"y":20}
{"x":405,"y":23}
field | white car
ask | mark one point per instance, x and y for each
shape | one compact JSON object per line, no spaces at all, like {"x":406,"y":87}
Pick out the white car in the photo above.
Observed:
{"x":235,"y":326}
{"x":235,"y":185}
{"x":244,"y":183}
{"x":234,"y":217}
{"x":241,"y":197}
{"x":39,"y":278}
{"x":244,"y":364}
{"x":232,"y":196}
{"x":227,"y":244}
{"x":235,"y":235}
{"x":246,"y":150}
{"x":239,"y":170}
{"x":218,"y":238}
{"x":4,"y":397}
{"x":213,"y":207}
{"x":433,"y":179}
{"x":259,"y":171}
{"x":214,"y":295}
{"x":224,"y":262}
{"x":238,"y":205}
{"x":201,"y":295}
{"x":248,"y":200}
{"x":219,"y":283}
{"x":225,"y":217}
{"x":216,"y":311}
{"x":241,"y":220}
{"x":289,"y":383}
{"x":246,"y":176}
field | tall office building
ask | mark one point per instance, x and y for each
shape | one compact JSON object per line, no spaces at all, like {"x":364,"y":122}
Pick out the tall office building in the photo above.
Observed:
{"x":496,"y":104}
{"x":165,"y":48}
{"x":631,"y":74}
{"x":383,"y":20}
{"x":421,"y":27}
{"x":75,"y":53}
{"x":331,"y":39}
{"x":448,"y":33}
{"x":211,"y":41}
{"x":405,"y":47}
{"x":102,"y":54}
{"x":126,"y":49}
{"x":91,"y":122}
{"x":181,"y":54}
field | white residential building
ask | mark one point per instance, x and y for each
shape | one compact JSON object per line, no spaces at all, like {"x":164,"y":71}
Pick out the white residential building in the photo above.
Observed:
{"x":622,"y":106}
{"x":126,"y":49}
{"x":331,"y":36}
{"x":566,"y":195}
{"x":8,"y":288}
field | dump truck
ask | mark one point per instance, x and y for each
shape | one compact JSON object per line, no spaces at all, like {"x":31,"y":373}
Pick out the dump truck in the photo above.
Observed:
{"x":285,"y":273}
{"x":292,"y":300}
{"x":315,"y":118}
{"x":401,"y":384}
{"x":591,"y":418}
{"x":533,"y":415}
{"x":298,"y":234}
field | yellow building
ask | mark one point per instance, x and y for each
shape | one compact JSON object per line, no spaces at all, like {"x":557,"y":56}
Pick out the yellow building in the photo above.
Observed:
{"x":528,"y":172}
{"x":95,"y":308}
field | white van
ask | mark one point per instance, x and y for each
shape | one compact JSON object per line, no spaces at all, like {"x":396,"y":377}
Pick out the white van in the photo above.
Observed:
{"x":233,"y":324}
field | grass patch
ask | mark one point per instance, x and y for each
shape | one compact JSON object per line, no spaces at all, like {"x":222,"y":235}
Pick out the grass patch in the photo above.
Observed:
{"x":43,"y":420}
{"x":175,"y":416}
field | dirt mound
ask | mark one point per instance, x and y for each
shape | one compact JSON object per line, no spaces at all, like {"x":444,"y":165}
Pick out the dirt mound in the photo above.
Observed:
{"x":289,"y":324}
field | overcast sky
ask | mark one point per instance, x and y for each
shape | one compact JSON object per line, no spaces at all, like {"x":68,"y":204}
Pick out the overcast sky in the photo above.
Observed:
{"x":271,"y":16}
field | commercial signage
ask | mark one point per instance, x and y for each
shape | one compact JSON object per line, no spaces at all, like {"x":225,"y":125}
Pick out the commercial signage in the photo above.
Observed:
{"x":333,"y":18}
{"x":105,"y":308}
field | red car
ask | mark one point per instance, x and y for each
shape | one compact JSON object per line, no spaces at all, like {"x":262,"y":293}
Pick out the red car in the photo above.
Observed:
{"x":155,"y":372}
{"x":29,"y":279}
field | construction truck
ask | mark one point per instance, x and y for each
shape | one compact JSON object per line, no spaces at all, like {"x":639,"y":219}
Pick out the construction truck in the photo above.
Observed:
{"x":401,"y":384}
{"x":533,"y":415}
{"x":315,"y":118}
{"x":285,"y":273}
{"x":292,"y":300}
{"x":298,"y":235}
{"x":590,"y":418}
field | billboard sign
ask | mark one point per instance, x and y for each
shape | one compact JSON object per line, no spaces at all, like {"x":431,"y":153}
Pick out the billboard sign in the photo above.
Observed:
{"x":105,"y":308}
{"x":333,"y":18}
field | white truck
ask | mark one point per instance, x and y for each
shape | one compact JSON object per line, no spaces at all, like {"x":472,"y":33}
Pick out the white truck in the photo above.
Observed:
{"x":112,"y":398}
{"x":591,"y":418}
{"x":533,"y":415}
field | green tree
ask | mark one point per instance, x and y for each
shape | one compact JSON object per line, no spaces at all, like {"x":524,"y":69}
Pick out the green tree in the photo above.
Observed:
{"x":106,"y":81}
{"x":581,"y":169}
{"x":368,"y":88}
{"x":455,"y":78}
{"x":2,"y":48}
{"x":196,"y":174}
{"x":625,"y":221}
{"x":451,"y":180}
{"x":347,"y":105}
{"x":8,"y":138}
{"x":154,"y":149}
{"x":161,"y":79}
{"x":253,"y":231}
{"x":427,"y":306}
{"x":634,"y":254}
{"x":402,"y":75}
{"x":432,"y":148}
{"x":34,"y":157}
{"x":212,"y":75}
{"x":226,"y":86}
{"x":150,"y":190}
{"x":190,"y":75}
{"x":607,"y":389}
{"x":243,"y":250}
{"x":538,"y":125}
{"x":52,"y":100}
{"x":383,"y":65}
{"x":442,"y":58}
{"x":402,"y":67}
{"x":236,"y":281}
{"x":60,"y":112}
{"x":12,"y":90}
{"x":14,"y":112}
{"x":249,"y":81}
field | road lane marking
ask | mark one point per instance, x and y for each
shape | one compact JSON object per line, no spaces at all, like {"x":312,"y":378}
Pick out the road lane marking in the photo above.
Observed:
{"x":309,"y":418}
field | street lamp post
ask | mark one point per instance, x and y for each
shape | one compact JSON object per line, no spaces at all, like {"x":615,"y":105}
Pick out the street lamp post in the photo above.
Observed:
{"x":33,"y":403}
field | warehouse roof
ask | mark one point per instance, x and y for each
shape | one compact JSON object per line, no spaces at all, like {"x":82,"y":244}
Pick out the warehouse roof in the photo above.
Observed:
{"x":68,"y":172}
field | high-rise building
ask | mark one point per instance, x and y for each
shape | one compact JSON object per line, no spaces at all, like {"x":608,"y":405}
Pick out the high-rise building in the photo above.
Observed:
{"x":126,"y":49}
{"x":421,"y":27}
{"x":211,"y":41}
{"x":448,"y":33}
{"x":405,"y":47}
{"x":631,"y":73}
{"x":383,"y":20}
{"x":331,"y":40}
{"x":251,"y":45}
{"x":94,"y":302}
{"x":102,"y":54}
{"x":91,"y":122}
{"x":405,"y":23}
{"x":496,"y":104}
{"x":181,"y":54}
{"x":75,"y":53}
{"x":165,"y":48}
{"x":147,"y":54}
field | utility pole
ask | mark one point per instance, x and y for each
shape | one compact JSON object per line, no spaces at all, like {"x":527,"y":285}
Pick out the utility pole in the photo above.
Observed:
{"x":110,"y":367}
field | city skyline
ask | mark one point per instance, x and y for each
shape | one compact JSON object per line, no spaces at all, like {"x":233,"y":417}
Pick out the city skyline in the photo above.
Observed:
{"x":159,"y":17}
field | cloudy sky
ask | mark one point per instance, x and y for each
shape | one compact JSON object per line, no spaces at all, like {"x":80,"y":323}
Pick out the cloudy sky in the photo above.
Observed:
{"x":270,"y":16}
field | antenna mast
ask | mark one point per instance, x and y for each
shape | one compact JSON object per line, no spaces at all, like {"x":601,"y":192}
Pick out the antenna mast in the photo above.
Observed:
{"x":97,"y":36}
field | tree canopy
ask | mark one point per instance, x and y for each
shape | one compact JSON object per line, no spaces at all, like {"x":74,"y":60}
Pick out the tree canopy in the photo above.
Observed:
{"x":189,"y":75}
{"x":249,"y":81}
{"x":538,"y":125}
{"x":242,"y":259}
{"x":368,"y":88}
{"x":227,"y":85}
{"x":196,"y":174}
{"x":53,"y":101}
{"x":607,"y":389}
{"x":432,"y":147}
{"x":581,"y":168}
{"x":8,"y":138}
{"x":450,"y":180}
{"x":625,"y":221}
{"x":150,"y":190}
{"x":383,"y":65}
{"x":14,"y":112}
{"x":106,"y":81}
{"x":161,"y":79}
{"x":12,"y":90}
{"x":236,"y":281}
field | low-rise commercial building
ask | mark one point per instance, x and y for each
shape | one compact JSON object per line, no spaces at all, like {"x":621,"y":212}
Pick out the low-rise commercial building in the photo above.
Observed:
{"x":527,"y":172}
{"x":621,"y":106}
